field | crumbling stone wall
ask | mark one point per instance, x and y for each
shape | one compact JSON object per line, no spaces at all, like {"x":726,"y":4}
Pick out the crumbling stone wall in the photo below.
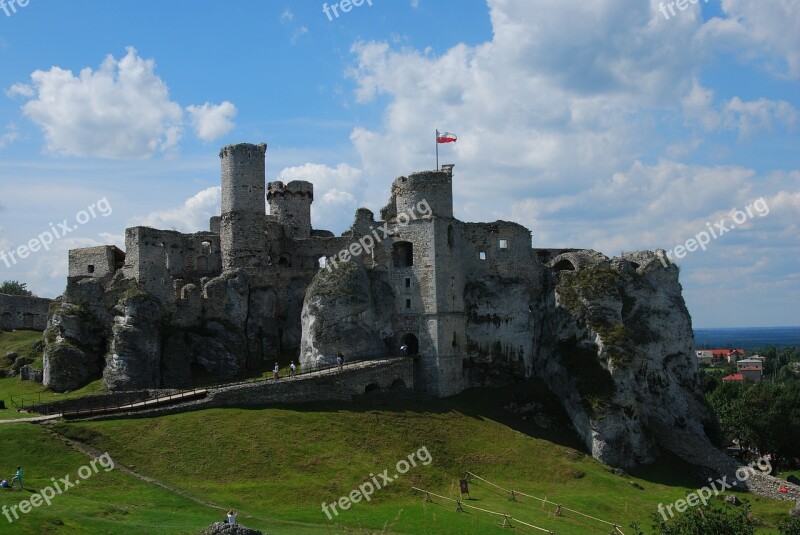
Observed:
{"x":23,"y":312}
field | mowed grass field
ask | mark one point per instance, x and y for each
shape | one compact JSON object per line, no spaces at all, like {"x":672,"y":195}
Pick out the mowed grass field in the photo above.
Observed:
{"x":277,"y":465}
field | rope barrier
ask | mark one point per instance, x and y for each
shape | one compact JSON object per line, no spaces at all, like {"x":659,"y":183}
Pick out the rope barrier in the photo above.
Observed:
{"x":559,"y":507}
{"x":460,"y":505}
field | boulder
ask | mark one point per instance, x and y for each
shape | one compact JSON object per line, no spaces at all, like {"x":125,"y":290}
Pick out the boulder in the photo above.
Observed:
{"x":223,"y":528}
{"x":11,"y":356}
{"x":29,"y":373}
{"x":19,"y":362}
{"x":733,"y":500}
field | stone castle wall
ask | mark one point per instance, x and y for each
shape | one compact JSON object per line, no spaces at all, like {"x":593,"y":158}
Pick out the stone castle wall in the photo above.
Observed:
{"x":23,"y":312}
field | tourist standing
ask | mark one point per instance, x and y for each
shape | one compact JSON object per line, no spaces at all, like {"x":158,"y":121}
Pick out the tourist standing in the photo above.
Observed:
{"x":17,"y":477}
{"x":275,"y":371}
{"x":340,"y":360}
{"x":232,"y":517}
{"x":293,"y":368}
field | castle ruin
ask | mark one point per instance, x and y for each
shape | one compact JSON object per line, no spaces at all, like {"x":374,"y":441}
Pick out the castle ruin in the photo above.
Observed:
{"x":473,"y":303}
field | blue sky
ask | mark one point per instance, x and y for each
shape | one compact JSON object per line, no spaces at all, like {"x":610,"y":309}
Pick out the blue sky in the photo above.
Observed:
{"x":604,"y":124}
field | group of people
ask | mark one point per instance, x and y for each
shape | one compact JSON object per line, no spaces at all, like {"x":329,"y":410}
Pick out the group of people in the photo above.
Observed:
{"x":18,"y":477}
{"x":292,"y":370}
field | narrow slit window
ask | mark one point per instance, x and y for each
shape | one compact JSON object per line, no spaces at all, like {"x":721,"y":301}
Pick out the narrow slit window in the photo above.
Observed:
{"x":408,"y":303}
{"x":482,"y":255}
{"x":504,"y":244}
{"x":408,"y":282}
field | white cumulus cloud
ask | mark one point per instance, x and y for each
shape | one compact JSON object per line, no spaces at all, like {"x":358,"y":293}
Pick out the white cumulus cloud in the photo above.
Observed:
{"x":192,"y":216}
{"x":120,"y":110}
{"x":212,"y":121}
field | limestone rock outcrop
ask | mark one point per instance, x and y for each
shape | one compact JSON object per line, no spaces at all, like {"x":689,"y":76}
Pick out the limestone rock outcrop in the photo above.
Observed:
{"x":74,"y":347}
{"x":134,"y":359}
{"x":618,"y":350}
{"x":347,"y":309}
{"x":222,"y":528}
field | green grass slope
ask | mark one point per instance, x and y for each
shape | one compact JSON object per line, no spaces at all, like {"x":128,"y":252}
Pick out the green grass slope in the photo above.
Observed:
{"x":278,"y":465}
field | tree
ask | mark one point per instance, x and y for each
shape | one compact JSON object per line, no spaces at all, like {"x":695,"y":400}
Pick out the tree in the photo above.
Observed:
{"x":14,"y":288}
{"x":790,"y":527}
{"x":727,"y":520}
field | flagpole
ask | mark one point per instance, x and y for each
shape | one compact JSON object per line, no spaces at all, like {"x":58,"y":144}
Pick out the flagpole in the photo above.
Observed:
{"x":437,"y":149}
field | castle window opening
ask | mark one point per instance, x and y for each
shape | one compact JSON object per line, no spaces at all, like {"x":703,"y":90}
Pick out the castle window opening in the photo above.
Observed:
{"x":482,"y":255}
{"x":90,"y":268}
{"x":206,"y":247}
{"x":504,"y":244}
{"x":285,"y":260}
{"x":408,"y":303}
{"x":403,"y":254}
{"x":408,"y":282}
{"x":450,"y":238}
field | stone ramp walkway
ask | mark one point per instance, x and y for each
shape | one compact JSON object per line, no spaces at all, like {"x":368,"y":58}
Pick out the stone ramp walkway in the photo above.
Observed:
{"x":190,"y":400}
{"x":33,"y":419}
{"x":700,"y":452}
{"x":139,"y":405}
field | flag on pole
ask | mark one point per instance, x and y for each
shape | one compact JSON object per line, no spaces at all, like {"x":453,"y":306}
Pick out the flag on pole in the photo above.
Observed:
{"x":445,"y":137}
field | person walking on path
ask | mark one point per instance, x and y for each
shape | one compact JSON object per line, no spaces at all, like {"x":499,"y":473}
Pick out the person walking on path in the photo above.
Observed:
{"x":17,"y":477}
{"x":340,"y":360}
{"x":275,"y":372}
{"x":293,"y":368}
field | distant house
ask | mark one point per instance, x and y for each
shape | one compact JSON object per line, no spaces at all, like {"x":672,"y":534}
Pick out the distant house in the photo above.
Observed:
{"x":714,"y":356}
{"x":705,"y":358}
{"x":751,"y":368}
{"x":735,"y":355}
{"x":734,"y":377}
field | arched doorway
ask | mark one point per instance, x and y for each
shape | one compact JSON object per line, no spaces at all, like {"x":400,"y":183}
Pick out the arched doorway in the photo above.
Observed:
{"x":413,"y":344}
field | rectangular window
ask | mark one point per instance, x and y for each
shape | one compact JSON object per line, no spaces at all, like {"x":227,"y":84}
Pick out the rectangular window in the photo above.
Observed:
{"x":408,"y":283}
{"x":90,"y":268}
{"x":504,"y":244}
{"x":408,"y":303}
{"x":482,"y":255}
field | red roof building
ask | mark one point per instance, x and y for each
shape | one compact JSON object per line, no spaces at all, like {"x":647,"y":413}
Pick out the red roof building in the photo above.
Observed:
{"x":734,"y":377}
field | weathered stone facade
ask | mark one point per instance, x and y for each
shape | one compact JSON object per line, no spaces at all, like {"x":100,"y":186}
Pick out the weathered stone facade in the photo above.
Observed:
{"x":475,"y":304}
{"x":23,"y":312}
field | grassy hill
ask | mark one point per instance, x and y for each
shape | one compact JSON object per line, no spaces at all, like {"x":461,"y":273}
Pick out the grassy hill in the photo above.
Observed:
{"x":278,"y":465}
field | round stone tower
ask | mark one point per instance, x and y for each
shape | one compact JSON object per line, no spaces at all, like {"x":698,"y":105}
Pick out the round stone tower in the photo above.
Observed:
{"x":243,"y":208}
{"x":291,"y":205}
{"x":424,"y":193}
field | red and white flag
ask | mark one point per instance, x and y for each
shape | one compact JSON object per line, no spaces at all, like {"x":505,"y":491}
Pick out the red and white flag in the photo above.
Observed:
{"x":445,"y":137}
